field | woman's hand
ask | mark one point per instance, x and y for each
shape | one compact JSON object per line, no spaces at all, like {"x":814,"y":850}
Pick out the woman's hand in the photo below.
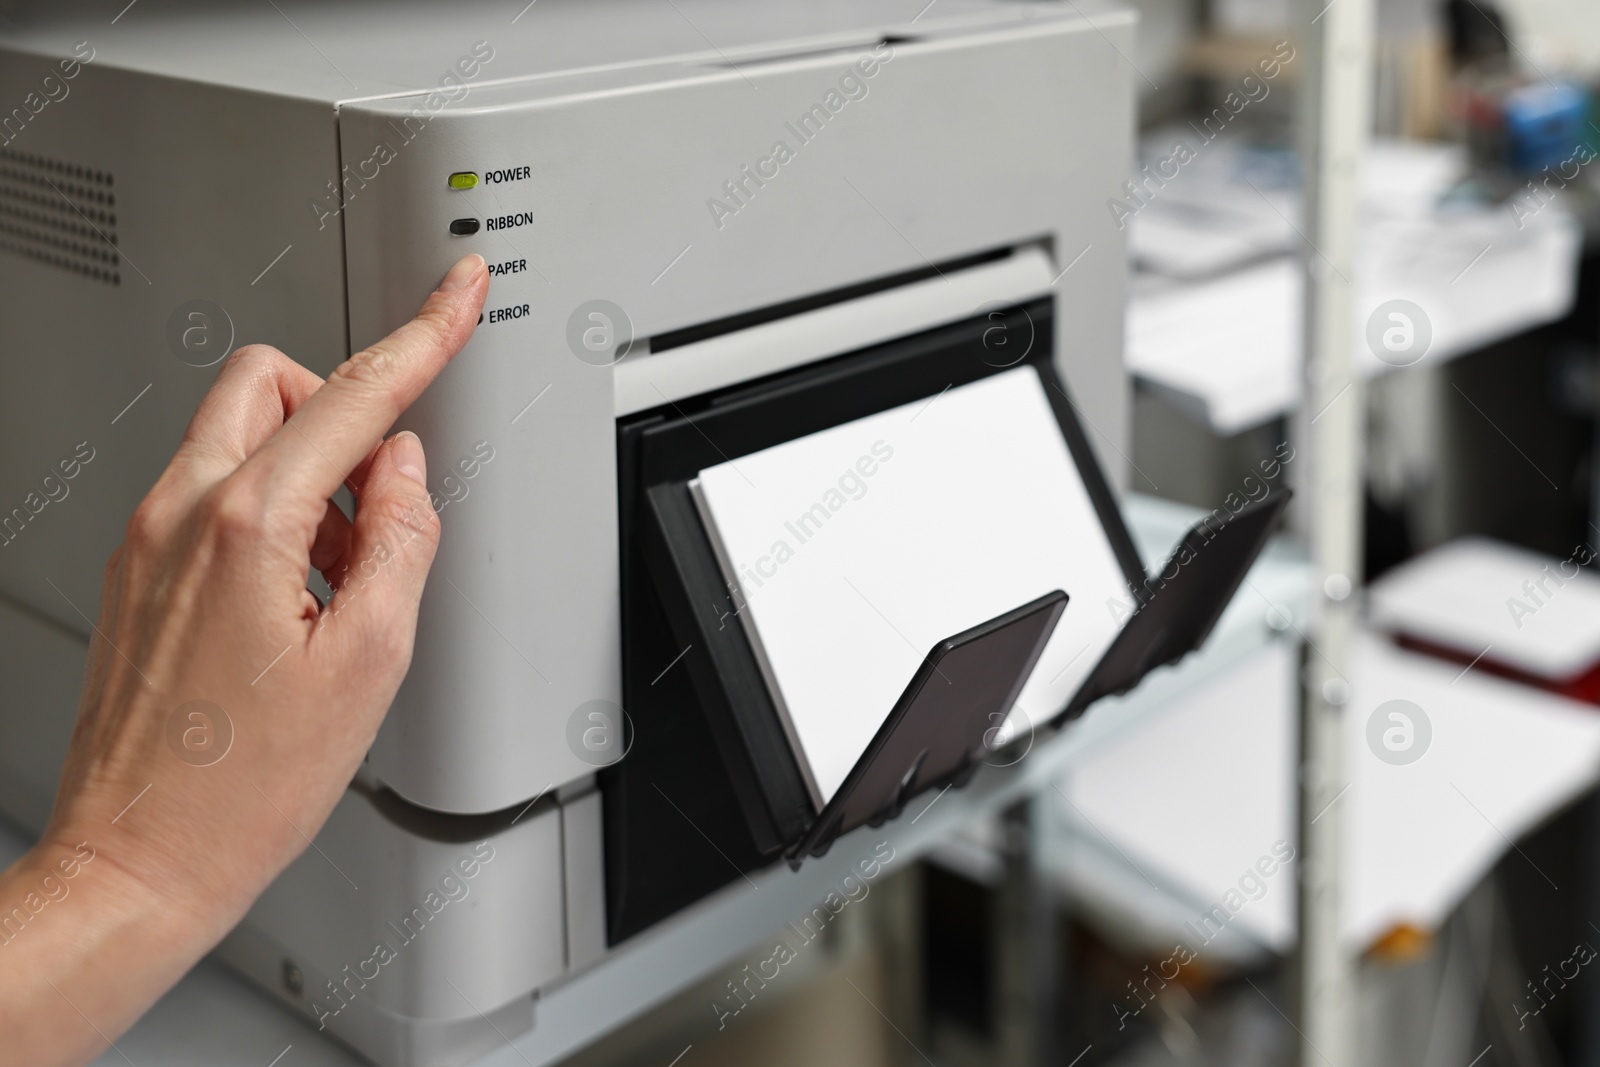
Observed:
{"x":225,"y":708}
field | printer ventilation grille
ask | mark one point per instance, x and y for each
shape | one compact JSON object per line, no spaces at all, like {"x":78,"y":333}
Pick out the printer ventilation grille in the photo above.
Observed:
{"x":59,"y":213}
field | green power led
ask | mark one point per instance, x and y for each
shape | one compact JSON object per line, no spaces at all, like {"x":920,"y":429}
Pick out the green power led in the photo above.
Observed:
{"x":463,"y":179}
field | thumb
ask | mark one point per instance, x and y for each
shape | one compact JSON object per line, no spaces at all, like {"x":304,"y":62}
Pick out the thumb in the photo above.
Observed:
{"x":393,"y":538}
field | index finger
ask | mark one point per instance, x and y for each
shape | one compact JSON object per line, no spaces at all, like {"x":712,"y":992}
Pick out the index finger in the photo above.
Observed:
{"x":342,"y":422}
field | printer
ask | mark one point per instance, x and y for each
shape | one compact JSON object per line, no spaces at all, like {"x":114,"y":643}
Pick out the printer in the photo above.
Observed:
{"x":712,"y":226}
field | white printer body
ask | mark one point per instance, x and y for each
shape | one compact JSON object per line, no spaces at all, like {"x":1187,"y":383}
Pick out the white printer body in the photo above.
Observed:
{"x":676,"y":200}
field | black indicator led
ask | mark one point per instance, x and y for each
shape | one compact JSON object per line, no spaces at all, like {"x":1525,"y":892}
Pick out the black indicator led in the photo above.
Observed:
{"x":464,"y":227}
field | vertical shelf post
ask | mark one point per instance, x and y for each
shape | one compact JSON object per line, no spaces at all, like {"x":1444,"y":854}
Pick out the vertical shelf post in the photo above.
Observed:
{"x":1336,"y":39}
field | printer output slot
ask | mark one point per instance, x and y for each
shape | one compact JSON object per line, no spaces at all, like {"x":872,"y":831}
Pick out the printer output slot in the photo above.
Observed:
{"x":704,"y":331}
{"x":703,"y":359}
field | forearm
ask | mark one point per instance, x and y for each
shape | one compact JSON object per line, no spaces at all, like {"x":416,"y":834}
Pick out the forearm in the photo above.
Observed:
{"x":84,"y":950}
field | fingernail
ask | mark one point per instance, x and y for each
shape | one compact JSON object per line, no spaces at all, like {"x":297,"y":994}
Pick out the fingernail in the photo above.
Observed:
{"x":462,"y":273}
{"x":408,"y":457}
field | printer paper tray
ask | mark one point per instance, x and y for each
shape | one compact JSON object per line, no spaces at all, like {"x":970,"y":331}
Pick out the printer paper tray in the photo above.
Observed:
{"x":710,"y":788}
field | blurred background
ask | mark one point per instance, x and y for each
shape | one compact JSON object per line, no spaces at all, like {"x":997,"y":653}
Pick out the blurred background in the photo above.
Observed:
{"x":1143,"y":910}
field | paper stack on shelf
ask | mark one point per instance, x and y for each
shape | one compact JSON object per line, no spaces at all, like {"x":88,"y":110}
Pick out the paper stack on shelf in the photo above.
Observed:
{"x":1168,"y":822}
{"x":1524,"y":613}
{"x":1219,"y":332}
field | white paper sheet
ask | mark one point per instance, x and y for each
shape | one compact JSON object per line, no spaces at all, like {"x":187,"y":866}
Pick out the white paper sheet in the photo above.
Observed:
{"x":1538,"y":613}
{"x":1225,"y":349}
{"x":858,"y":548}
{"x":1193,"y":796}
{"x":1199,"y":791}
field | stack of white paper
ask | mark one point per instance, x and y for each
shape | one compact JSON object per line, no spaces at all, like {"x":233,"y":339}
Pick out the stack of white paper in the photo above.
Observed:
{"x":1219,"y":333}
{"x":858,"y":548}
{"x":1193,"y":796}
{"x":1537,"y":613}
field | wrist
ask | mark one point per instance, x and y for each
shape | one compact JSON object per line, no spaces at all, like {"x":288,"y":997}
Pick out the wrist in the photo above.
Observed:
{"x":80,"y":940}
{"x":119,"y":894}
{"x":169,"y":859}
{"x":68,"y":882}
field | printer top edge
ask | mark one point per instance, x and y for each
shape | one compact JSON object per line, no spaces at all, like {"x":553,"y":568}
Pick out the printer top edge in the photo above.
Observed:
{"x":350,"y":53}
